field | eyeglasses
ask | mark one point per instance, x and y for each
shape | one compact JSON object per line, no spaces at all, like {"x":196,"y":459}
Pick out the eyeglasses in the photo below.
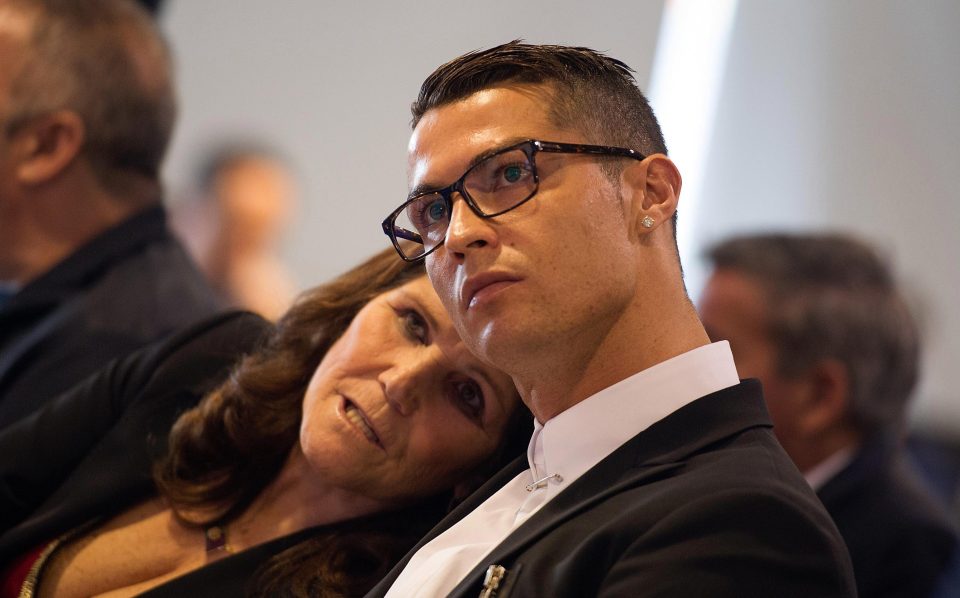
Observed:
{"x":495,"y":184}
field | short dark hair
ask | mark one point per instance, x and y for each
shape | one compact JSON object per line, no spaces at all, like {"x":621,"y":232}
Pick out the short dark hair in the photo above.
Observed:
{"x":106,"y":61}
{"x":590,"y":92}
{"x":831,"y":296}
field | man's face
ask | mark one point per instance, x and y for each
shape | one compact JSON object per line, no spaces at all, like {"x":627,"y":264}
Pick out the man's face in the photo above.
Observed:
{"x":733,"y":307}
{"x":552,"y":274}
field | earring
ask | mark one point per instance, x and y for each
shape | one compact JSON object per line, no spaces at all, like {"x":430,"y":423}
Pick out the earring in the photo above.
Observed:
{"x":647,"y":222}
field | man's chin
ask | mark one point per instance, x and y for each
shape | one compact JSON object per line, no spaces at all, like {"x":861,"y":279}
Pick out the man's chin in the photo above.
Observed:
{"x":494,"y":342}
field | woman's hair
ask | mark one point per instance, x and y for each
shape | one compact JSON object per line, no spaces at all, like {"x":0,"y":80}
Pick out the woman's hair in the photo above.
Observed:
{"x":224,"y":451}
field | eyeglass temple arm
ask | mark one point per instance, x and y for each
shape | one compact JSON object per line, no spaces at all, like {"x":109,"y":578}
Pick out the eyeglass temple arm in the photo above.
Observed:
{"x":600,"y":150}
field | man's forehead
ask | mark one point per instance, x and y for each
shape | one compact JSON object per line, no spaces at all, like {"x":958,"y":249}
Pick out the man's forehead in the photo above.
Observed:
{"x":451,"y":136}
{"x":15,"y":24}
{"x":15,"y":31}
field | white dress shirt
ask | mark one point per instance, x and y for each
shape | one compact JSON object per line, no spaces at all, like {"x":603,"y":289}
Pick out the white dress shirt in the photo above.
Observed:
{"x":566,"y":447}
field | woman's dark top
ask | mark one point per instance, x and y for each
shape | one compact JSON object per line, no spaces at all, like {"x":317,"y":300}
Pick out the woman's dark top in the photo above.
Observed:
{"x":90,"y":452}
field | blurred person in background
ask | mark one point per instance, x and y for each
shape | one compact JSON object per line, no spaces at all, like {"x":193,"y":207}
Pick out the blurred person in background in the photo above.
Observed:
{"x":234,"y":228}
{"x":90,"y":270}
{"x":819,"y":320}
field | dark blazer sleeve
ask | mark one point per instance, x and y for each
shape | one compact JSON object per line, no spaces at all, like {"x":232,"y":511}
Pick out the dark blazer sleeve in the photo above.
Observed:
{"x":38,"y":453}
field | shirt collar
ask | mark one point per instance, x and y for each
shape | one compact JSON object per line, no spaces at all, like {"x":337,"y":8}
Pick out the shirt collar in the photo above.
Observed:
{"x":580,"y":437}
{"x":824,"y":471}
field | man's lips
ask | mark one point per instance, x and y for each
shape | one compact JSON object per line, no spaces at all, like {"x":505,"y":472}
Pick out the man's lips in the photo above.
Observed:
{"x":483,"y":286}
{"x":358,"y":418}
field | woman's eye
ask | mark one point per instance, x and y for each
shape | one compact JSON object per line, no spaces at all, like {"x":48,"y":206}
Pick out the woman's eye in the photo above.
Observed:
{"x":470,"y":397}
{"x":415,"y":326}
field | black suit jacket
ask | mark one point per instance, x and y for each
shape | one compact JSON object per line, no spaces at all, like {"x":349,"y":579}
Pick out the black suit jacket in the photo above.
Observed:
{"x":89,"y":452}
{"x":703,"y":503}
{"x":901,"y":540}
{"x":131,"y":285}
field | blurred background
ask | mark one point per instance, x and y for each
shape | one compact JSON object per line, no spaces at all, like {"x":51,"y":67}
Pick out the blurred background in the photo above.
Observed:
{"x":801,"y":115}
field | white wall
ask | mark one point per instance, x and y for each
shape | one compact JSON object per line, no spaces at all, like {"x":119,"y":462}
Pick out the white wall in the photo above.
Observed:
{"x":832,"y":114}
{"x":332,"y":83}
{"x":844,"y":115}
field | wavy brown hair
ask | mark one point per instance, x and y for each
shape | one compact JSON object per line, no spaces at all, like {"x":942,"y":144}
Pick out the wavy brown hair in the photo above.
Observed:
{"x":224,"y":451}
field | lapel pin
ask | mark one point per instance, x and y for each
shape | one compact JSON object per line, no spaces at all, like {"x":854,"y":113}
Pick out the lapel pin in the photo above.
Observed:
{"x":491,"y":581}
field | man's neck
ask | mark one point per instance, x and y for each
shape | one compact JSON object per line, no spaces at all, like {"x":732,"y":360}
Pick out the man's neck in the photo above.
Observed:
{"x":562,"y":376}
{"x":60,"y":223}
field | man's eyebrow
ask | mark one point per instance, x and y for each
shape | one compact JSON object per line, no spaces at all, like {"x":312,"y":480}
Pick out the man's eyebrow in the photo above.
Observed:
{"x":431,"y":188}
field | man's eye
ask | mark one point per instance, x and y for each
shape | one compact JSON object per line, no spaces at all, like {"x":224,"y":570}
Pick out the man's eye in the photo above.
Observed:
{"x":436,"y":211}
{"x":427,"y":212}
{"x":470,"y":397}
{"x":512,"y":174}
{"x":415,"y":326}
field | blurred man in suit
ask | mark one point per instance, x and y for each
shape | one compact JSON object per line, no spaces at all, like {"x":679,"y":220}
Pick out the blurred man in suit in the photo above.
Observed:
{"x":90,"y":271}
{"x":819,"y":320}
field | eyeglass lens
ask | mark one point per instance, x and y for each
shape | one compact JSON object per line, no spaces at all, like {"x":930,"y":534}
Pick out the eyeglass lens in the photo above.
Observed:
{"x":493,"y":186}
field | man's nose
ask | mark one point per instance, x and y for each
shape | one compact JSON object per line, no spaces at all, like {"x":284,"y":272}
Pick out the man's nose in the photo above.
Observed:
{"x":467,"y":230}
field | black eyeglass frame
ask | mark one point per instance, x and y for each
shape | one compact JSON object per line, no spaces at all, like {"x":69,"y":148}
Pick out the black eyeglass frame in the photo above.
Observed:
{"x":530,"y":147}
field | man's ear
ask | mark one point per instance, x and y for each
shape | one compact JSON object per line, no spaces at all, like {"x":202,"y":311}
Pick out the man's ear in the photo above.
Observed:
{"x":828,"y":394}
{"x":655,"y":185}
{"x":46,"y":145}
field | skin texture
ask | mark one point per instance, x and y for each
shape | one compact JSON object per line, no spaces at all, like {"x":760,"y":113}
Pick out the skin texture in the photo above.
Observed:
{"x":568,"y":282}
{"x":403,"y":366}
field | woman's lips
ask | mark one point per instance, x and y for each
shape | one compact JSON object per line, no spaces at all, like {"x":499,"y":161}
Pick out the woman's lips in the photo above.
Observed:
{"x":355,"y":416}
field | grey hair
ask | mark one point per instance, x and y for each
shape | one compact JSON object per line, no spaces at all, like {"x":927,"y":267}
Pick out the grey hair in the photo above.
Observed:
{"x":106,"y":61}
{"x":831,"y":296}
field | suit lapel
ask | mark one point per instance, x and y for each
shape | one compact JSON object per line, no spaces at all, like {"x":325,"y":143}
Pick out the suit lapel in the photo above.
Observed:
{"x":655,"y":453}
{"x":459,"y":512}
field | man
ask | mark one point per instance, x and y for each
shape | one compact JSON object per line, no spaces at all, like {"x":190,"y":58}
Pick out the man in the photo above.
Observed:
{"x":543,"y":200}
{"x":234,"y":227}
{"x":818,"y":319}
{"x":86,"y":110}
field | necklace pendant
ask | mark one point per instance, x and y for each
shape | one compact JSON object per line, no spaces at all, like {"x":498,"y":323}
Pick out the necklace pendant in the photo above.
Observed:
{"x":215,"y":537}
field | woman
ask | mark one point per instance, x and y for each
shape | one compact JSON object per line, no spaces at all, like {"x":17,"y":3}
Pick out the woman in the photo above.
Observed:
{"x":312,"y":469}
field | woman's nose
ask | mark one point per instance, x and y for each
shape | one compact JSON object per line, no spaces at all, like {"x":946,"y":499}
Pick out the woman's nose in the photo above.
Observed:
{"x":407,"y":381}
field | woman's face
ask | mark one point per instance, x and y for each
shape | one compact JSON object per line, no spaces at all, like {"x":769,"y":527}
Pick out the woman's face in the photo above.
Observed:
{"x":398,"y":408}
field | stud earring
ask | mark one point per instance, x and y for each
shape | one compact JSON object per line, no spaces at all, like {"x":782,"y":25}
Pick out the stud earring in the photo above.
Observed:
{"x":647,"y":222}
